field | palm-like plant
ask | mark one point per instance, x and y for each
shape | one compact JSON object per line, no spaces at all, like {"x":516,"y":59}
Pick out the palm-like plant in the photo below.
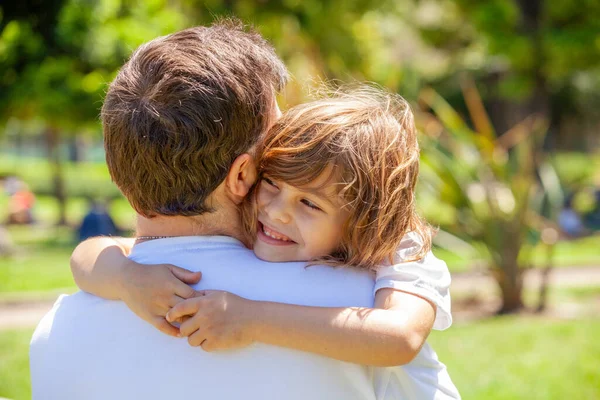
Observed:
{"x":494,"y":185}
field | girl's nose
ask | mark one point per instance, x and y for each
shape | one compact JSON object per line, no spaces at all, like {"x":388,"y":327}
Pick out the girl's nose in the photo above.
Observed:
{"x":277,"y":210}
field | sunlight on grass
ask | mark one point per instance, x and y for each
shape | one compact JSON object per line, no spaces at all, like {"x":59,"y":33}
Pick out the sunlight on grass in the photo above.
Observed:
{"x":523,"y":358}
{"x":41,"y":262}
{"x":14,"y":364}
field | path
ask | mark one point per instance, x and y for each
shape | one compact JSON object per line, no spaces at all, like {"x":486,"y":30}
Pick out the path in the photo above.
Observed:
{"x":15,"y":315}
{"x":559,"y":277}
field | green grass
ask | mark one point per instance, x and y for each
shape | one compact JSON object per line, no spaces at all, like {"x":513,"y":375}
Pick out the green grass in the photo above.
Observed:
{"x":583,"y":251}
{"x":81,"y":179}
{"x":14,"y":364}
{"x":41,"y":263}
{"x":523,"y":358}
{"x":506,"y":358}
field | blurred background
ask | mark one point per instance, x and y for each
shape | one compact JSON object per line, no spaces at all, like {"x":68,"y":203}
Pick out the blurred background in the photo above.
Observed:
{"x":507,"y":98}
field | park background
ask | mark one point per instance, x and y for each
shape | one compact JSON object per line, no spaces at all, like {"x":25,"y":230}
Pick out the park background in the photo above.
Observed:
{"x":507,"y":98}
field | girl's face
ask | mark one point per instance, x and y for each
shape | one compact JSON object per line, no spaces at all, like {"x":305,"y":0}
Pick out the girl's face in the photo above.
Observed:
{"x":298,"y":223}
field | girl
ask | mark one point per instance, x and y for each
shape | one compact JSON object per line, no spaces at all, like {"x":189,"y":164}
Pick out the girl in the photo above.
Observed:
{"x":336,"y":187}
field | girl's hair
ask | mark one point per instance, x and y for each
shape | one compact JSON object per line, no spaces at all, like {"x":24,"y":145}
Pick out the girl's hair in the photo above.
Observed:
{"x":369,"y":138}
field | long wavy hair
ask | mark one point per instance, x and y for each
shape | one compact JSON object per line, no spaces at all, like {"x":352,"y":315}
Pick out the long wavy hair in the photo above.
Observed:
{"x":369,"y":138}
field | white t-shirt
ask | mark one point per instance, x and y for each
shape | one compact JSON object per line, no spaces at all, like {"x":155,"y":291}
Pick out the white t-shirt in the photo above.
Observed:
{"x":425,"y":377}
{"x":427,"y":277}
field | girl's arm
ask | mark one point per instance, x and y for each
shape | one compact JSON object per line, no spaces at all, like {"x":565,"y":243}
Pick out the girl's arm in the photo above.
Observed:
{"x":391,"y":334}
{"x":100,"y":266}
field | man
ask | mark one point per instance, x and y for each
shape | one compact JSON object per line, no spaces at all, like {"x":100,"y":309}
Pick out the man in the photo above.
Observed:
{"x":179,"y":121}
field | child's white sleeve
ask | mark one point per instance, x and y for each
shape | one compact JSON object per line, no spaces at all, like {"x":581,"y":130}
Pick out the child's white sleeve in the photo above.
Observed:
{"x":427,"y":277}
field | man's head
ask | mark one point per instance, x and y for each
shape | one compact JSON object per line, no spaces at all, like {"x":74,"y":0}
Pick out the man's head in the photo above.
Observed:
{"x":183,"y":109}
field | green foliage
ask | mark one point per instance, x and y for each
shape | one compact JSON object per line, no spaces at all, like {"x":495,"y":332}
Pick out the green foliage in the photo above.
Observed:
{"x":57,"y":66}
{"x":528,"y":57}
{"x":576,"y":170}
{"x":566,"y":33}
{"x":492,"y":182}
{"x":58,"y":69}
{"x":500,"y":187}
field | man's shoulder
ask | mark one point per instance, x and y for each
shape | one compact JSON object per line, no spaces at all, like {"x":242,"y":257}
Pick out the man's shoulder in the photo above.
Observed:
{"x":64,"y":313}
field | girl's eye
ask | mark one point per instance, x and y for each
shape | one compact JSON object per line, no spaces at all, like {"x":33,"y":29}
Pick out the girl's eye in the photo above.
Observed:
{"x":269,"y":182}
{"x":310,"y":204}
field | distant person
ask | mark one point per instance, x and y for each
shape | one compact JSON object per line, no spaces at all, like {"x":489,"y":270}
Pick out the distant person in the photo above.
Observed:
{"x":20,"y":204}
{"x":570,"y":221}
{"x":97,"y":222}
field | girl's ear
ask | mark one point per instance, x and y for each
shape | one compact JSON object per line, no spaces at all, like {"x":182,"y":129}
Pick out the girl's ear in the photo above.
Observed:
{"x":241,"y":177}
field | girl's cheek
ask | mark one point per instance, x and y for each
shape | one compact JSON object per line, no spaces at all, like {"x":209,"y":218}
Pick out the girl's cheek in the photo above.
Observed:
{"x":305,"y":215}
{"x":262,"y":198}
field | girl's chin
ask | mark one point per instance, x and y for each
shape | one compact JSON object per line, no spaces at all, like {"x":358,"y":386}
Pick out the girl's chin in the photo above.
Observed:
{"x":271,"y":256}
{"x":265,"y":258}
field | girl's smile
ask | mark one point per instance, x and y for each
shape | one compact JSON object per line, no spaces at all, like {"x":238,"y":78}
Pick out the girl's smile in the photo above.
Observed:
{"x":271,"y":236}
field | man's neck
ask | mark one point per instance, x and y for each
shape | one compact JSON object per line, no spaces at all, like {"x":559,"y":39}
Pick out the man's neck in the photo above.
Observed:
{"x":209,"y":224}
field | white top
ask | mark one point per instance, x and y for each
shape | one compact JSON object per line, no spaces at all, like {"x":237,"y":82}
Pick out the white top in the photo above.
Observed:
{"x":425,"y":377}
{"x":427,"y":277}
{"x":90,"y":348}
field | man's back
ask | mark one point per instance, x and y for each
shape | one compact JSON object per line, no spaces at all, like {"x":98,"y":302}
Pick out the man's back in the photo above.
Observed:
{"x":90,"y":348}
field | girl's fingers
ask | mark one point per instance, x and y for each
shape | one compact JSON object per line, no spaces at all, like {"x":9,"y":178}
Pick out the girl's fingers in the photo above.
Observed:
{"x":208,"y":345}
{"x":187,"y":328}
{"x":185,"y":275}
{"x":186,"y":307}
{"x":180,"y":321}
{"x":196,"y":339}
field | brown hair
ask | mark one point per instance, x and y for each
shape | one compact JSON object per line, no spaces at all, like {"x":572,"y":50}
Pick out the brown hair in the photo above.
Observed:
{"x":182,"y":109}
{"x":370,"y":139}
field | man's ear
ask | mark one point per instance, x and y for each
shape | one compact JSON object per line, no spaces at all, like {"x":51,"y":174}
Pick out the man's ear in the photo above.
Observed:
{"x":242,"y":175}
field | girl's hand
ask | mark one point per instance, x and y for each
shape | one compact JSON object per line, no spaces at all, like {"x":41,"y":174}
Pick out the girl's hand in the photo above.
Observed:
{"x":218,"y":320}
{"x":151,"y":290}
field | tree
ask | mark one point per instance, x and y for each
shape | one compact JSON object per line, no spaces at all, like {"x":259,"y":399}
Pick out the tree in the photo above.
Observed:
{"x":496,"y":186}
{"x":57,"y":56}
{"x":530,"y":56}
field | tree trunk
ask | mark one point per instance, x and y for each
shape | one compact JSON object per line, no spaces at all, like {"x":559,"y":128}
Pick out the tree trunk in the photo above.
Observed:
{"x":511,"y":288}
{"x":53,"y":142}
{"x":545,"y":281}
{"x":508,"y":275}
